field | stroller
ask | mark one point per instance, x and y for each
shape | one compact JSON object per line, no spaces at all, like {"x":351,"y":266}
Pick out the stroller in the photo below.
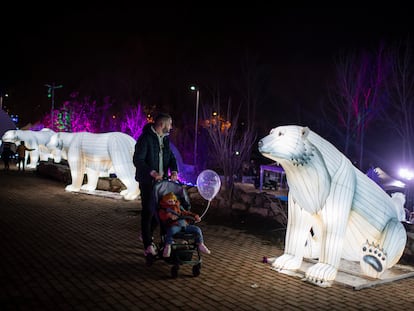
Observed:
{"x":184,"y":250}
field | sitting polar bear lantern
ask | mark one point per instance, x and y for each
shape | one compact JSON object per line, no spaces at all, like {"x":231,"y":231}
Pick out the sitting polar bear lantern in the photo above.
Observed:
{"x":92,"y":154}
{"x":350,"y":215}
{"x":36,"y":140}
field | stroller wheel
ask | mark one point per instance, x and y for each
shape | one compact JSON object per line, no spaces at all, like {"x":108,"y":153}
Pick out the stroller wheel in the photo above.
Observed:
{"x":196,"y":269}
{"x":174,"y":271}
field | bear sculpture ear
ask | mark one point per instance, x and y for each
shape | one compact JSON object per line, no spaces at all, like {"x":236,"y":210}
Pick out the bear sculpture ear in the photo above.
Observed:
{"x":305,"y":131}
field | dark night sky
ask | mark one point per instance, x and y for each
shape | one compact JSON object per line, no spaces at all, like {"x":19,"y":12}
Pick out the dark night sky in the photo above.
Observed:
{"x":297,"y":44}
{"x":70,"y":44}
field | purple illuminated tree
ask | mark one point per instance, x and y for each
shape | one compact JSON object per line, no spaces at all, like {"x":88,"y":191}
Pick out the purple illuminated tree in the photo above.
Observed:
{"x":86,"y":115}
{"x":83,"y":115}
{"x":358,"y":94}
{"x":134,"y":121}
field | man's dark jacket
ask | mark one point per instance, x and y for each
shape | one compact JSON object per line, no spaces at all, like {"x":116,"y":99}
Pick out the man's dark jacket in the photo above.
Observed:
{"x":146,"y":155}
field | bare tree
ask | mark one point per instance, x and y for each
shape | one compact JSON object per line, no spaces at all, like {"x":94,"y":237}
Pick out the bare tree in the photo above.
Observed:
{"x":357,"y":95}
{"x":230,"y":147}
{"x":252,"y":86}
{"x":401,"y":97}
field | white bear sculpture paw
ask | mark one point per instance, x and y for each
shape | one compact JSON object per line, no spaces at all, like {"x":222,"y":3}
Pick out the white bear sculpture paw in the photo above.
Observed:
{"x":373,"y":260}
{"x":88,"y":187}
{"x":287,"y":262}
{"x":72,"y":188}
{"x":129,"y":195}
{"x":321,"y":274}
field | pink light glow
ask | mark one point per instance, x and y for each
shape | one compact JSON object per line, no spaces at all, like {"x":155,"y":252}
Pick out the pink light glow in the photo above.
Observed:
{"x":84,"y":115}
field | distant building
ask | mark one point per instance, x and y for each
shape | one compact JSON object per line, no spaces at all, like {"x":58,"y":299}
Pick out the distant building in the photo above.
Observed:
{"x":6,"y":123}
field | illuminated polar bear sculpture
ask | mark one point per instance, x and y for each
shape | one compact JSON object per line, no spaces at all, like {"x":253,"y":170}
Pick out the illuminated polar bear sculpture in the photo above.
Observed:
{"x":351,"y":217}
{"x":59,"y":145}
{"x":36,"y":140}
{"x":92,"y":154}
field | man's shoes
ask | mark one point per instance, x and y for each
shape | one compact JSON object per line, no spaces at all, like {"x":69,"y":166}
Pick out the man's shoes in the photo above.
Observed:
{"x":151,"y":250}
{"x":202,"y":248}
{"x":167,"y":250}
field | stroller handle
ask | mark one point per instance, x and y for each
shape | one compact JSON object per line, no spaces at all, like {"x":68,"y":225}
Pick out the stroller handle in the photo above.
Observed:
{"x":167,"y":178}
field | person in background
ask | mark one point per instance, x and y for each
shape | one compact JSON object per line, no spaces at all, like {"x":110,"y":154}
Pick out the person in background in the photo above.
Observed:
{"x":21,"y":154}
{"x":153,"y":160}
{"x":6,"y":155}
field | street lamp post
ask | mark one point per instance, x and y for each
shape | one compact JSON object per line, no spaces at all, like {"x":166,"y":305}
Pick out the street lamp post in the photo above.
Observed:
{"x":51,"y":92}
{"x":1,"y":99}
{"x":195,"y":88}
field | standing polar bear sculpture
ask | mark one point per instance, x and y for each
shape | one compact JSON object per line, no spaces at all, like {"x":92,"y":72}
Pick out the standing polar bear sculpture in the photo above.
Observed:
{"x":351,"y":217}
{"x":36,"y":140}
{"x":91,"y":154}
{"x":59,"y":145}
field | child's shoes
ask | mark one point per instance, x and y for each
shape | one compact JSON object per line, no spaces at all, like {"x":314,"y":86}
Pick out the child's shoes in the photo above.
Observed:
{"x":202,"y":248}
{"x":167,"y":250}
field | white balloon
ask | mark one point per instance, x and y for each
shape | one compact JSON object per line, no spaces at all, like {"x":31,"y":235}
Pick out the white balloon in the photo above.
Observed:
{"x":208,"y":184}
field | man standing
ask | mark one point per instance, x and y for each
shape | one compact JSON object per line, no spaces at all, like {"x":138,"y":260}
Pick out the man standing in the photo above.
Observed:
{"x":153,"y":160}
{"x":21,"y":154}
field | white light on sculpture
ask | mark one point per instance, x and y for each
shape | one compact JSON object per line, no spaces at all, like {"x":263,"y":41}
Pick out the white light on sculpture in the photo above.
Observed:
{"x":36,"y":140}
{"x":93,"y":154}
{"x":349,"y":215}
{"x":59,"y":145}
{"x":406,"y":173}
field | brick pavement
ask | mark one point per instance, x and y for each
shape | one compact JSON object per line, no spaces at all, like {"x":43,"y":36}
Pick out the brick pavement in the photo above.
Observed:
{"x":71,"y":251}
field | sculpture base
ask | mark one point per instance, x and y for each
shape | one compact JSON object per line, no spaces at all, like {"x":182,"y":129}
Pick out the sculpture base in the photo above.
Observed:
{"x":102,"y":193}
{"x":349,"y":274}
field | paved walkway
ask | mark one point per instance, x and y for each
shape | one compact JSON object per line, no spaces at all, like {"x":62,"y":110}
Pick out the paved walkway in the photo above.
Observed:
{"x":72,"y":251}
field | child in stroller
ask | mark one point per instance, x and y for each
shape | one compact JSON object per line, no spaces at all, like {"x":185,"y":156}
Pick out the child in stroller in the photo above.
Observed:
{"x":175,"y":219}
{"x":179,"y":247}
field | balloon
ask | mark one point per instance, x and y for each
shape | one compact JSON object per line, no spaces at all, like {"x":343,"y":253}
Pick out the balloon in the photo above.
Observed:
{"x":208,"y":184}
